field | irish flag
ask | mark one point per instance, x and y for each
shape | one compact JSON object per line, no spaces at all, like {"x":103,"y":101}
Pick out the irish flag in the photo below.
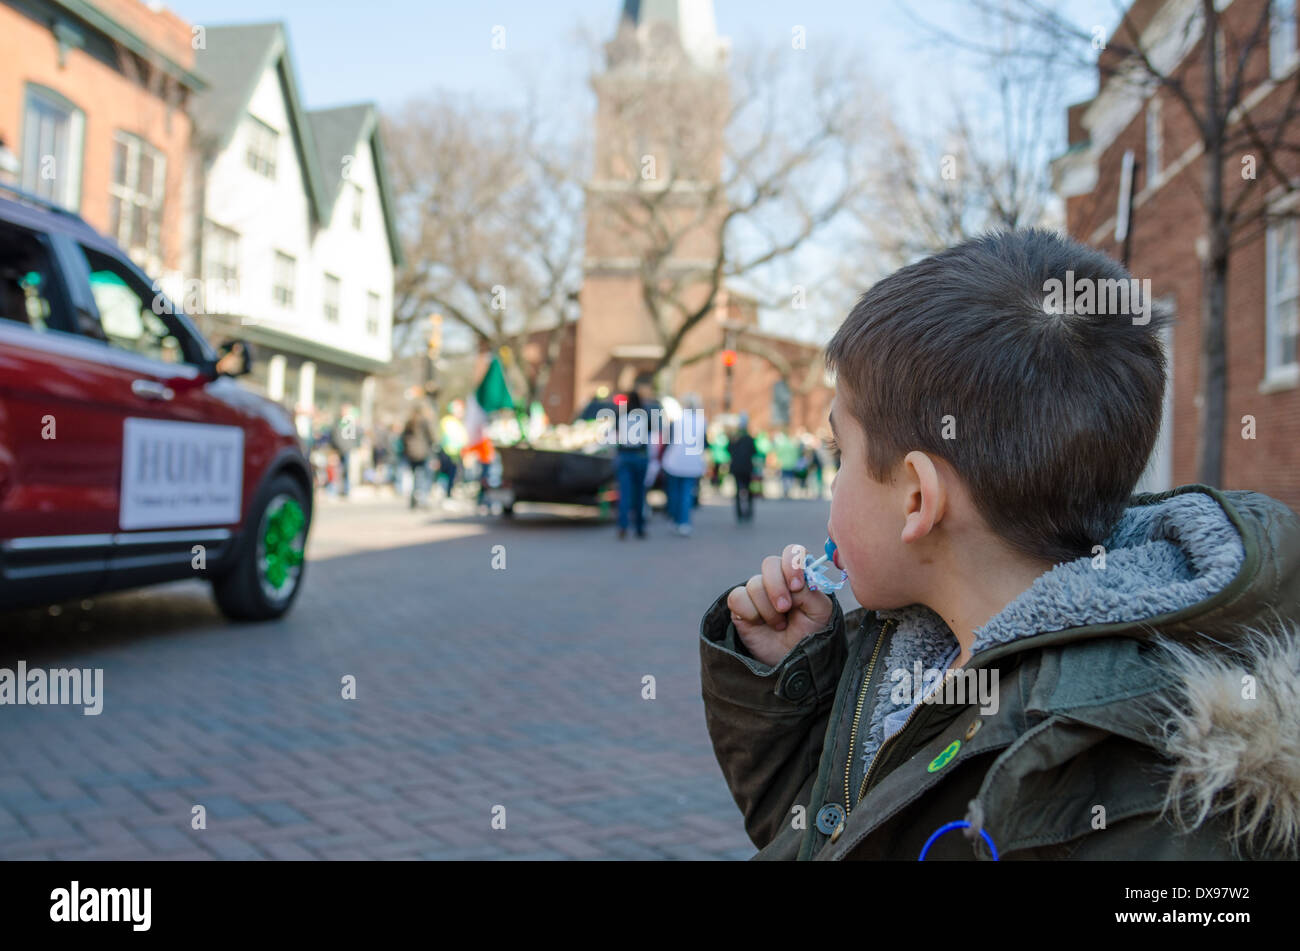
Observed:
{"x":492,"y":394}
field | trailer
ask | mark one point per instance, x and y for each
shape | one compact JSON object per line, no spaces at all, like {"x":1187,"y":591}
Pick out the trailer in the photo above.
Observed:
{"x":529,"y":474}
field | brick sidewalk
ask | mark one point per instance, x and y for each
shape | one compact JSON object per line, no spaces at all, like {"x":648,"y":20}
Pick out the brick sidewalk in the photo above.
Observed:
{"x":476,"y":688}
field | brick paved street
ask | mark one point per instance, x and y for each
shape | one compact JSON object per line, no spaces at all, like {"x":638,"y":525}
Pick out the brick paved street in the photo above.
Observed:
{"x":475,"y":688}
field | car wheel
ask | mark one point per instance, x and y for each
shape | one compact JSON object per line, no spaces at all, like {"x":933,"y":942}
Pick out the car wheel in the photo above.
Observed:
{"x":268,"y":570}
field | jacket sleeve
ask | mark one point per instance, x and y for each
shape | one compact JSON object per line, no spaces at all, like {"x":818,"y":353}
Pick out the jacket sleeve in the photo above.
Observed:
{"x":767,"y":724}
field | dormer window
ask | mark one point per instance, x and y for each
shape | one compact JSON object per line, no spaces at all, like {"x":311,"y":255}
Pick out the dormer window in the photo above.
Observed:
{"x":263,"y":142}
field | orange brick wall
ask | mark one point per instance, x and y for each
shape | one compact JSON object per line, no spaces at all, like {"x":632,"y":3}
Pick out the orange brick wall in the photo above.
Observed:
{"x":109,"y":100}
{"x":1165,"y":230}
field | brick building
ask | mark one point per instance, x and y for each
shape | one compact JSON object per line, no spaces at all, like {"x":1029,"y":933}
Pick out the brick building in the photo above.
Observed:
{"x":663,"y":99}
{"x":93,"y":113}
{"x":1167,"y":238}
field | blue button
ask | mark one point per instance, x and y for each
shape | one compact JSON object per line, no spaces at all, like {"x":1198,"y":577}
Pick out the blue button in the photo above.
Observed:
{"x":829,"y":817}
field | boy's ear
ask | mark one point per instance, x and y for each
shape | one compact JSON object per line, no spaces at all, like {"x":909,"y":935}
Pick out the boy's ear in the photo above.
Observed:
{"x":926,"y":499}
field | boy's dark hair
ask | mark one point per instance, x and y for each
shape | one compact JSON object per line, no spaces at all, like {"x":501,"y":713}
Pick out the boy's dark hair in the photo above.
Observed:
{"x":1055,"y":410}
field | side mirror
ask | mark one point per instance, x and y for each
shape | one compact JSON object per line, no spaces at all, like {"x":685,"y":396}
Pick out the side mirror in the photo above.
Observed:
{"x":236,"y":361}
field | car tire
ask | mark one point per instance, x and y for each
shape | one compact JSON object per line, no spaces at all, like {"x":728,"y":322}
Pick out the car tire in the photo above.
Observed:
{"x":267,"y":574}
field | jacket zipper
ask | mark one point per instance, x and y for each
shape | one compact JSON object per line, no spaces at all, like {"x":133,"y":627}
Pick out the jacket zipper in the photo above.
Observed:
{"x":862,"y":790}
{"x":886,"y":629}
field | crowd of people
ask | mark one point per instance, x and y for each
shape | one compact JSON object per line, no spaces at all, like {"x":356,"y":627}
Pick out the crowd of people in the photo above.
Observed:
{"x":726,"y":456}
{"x":658,"y":468}
{"x":414,"y":457}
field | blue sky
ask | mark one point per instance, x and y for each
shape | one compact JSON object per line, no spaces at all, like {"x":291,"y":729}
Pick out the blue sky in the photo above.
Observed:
{"x":392,"y":50}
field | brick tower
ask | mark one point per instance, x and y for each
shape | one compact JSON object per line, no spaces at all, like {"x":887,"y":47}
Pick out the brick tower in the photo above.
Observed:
{"x":658,"y":163}
{"x":654,"y":208}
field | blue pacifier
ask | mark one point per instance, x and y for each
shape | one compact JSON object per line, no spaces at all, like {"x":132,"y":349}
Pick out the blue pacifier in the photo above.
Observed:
{"x":816,"y":574}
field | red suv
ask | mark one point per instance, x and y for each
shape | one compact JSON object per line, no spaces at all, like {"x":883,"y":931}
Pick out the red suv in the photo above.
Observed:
{"x":126,"y":457}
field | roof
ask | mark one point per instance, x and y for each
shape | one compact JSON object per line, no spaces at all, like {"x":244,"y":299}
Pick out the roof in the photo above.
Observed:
{"x":37,"y":214}
{"x":234,"y":62}
{"x":119,"y":32}
{"x":336,"y":133}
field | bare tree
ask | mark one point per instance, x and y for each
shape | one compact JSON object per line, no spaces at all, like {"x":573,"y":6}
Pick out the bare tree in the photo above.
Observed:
{"x":977,"y":171}
{"x":489,"y":210}
{"x":703,"y":178}
{"x":1231,"y":132}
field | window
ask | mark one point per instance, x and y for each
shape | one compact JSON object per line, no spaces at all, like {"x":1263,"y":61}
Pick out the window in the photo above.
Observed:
{"x":1158,"y":474}
{"x":372,"y":314}
{"x":1155,"y":141}
{"x":1281,"y":37}
{"x":135,"y":195}
{"x":282,"y":279}
{"x":126,"y":313}
{"x":1283,"y":269}
{"x":331,"y":298}
{"x":221,"y":259}
{"x":358,"y":197}
{"x":28,"y":294}
{"x":53,"y":131}
{"x":263,"y":141}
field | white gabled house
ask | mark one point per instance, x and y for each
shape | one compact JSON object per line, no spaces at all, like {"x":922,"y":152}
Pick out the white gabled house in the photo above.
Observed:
{"x":291,"y":228}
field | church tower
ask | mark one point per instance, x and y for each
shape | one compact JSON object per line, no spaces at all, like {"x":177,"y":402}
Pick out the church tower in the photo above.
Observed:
{"x":654,"y":201}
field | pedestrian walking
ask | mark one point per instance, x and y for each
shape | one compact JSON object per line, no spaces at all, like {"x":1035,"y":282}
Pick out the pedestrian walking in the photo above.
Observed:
{"x":742,"y":451}
{"x":718,"y":457}
{"x":787,"y":459}
{"x":683,"y":463}
{"x":632,"y":459}
{"x":817,"y":463}
{"x":344,"y":440}
{"x":447,"y":470}
{"x":417,"y":446}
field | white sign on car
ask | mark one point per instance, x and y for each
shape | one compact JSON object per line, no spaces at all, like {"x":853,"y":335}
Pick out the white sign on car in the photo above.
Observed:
{"x":180,"y":474}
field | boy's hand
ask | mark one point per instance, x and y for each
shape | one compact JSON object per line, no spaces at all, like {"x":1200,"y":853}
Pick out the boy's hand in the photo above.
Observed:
{"x":774,"y":610}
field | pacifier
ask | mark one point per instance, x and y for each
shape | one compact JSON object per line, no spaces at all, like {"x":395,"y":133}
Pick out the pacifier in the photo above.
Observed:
{"x":816,"y":574}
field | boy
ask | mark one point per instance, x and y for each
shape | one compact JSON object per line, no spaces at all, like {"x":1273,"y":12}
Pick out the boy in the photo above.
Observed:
{"x":1054,"y":668}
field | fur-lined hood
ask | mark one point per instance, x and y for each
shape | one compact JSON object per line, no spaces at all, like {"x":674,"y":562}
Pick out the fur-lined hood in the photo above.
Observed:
{"x":1231,"y":727}
{"x":1204,"y":587}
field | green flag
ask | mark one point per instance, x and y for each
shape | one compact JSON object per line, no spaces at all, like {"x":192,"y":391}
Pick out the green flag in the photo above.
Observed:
{"x":492,"y":393}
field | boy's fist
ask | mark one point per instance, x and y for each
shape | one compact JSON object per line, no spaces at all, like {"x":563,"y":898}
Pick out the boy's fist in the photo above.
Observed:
{"x":774,"y":610}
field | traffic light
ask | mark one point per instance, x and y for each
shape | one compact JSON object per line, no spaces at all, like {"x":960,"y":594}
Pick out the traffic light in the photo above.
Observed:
{"x":728,"y":358}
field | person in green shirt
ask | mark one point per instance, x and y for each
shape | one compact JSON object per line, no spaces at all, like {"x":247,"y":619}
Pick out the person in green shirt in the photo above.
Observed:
{"x":788,"y":451}
{"x":719,"y":455}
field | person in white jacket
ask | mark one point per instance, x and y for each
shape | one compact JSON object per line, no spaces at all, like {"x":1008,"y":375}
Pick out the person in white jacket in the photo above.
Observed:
{"x":683,"y":463}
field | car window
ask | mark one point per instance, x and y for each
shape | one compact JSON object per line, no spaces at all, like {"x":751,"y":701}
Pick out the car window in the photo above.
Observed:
{"x":27,"y":281}
{"x":126,"y":313}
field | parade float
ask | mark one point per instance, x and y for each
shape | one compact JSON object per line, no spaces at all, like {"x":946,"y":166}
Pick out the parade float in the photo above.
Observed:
{"x":560,"y":464}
